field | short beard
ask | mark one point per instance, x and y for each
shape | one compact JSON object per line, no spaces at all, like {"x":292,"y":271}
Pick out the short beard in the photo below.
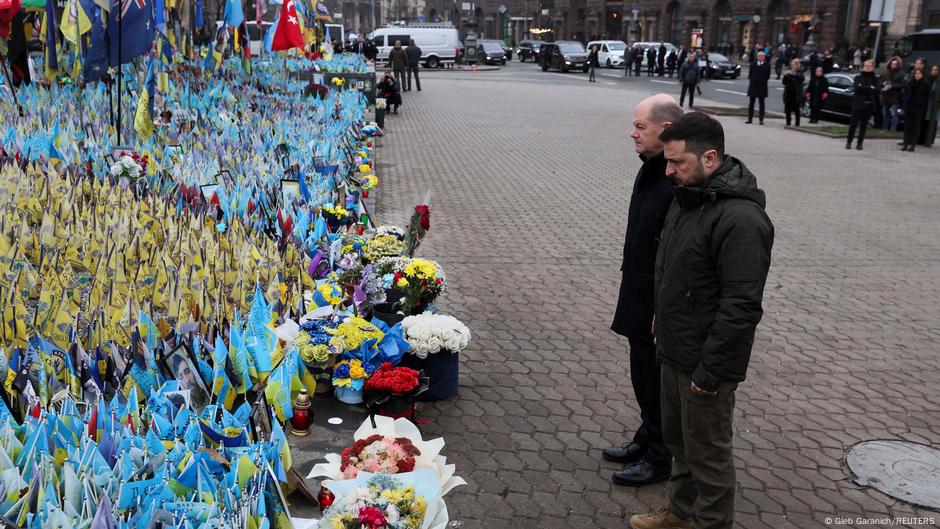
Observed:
{"x":697,"y":178}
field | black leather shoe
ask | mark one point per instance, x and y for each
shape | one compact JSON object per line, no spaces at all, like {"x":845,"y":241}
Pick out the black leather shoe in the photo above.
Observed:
{"x":626,"y":453}
{"x":748,"y":122}
{"x":641,"y":473}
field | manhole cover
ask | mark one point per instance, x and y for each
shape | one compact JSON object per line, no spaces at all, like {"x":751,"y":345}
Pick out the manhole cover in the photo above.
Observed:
{"x":903,"y":470}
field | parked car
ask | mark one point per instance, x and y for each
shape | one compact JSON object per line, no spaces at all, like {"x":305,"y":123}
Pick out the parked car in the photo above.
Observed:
{"x":836,"y":65}
{"x":839,"y":102}
{"x":507,"y":50}
{"x":720,"y":66}
{"x":491,"y":52}
{"x":609,"y":52}
{"x":438,"y":45}
{"x":645,"y":46}
{"x":563,"y":55}
{"x":528,"y":49}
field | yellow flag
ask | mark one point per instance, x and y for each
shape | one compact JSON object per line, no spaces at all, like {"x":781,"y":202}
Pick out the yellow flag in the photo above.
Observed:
{"x":143,"y":121}
{"x":75,"y":22}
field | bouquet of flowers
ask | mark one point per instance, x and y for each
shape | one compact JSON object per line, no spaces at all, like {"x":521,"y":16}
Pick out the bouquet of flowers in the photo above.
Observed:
{"x":429,"y":334}
{"x":335,"y":216}
{"x":390,"y":230}
{"x":420,"y":281}
{"x":130,"y":167}
{"x":313,"y":344}
{"x":352,"y":332}
{"x":383,"y":504}
{"x":417,"y":229}
{"x":379,"y":454}
{"x":398,"y":380}
{"x":382,"y":246}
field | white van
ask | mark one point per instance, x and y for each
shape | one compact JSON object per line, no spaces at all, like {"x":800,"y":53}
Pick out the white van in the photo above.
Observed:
{"x":438,"y":44}
{"x":609,"y":52}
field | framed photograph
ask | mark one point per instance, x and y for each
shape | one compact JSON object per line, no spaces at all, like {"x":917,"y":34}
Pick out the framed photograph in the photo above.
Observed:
{"x":260,"y":419}
{"x":207,"y":191}
{"x":181,"y":366}
{"x":225,"y":177}
{"x":118,"y":151}
{"x":90,"y":131}
{"x":181,"y":399}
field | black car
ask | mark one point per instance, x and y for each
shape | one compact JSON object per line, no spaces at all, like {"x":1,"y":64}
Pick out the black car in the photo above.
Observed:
{"x":839,"y":102}
{"x":529,"y":49}
{"x":507,"y":50}
{"x":719,"y":66}
{"x":563,"y":55}
{"x":491,"y":52}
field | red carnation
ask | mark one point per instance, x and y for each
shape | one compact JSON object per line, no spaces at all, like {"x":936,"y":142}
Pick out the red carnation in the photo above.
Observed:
{"x":372,"y":517}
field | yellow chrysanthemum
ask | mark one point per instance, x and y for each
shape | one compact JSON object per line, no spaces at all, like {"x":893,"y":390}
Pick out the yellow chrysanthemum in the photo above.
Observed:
{"x":421,"y":269}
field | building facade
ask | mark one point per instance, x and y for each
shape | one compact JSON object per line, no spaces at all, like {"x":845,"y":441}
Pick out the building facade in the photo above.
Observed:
{"x":734,"y":24}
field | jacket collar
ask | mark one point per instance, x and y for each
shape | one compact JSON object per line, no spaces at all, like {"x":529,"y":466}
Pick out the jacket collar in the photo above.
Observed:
{"x":694,"y":196}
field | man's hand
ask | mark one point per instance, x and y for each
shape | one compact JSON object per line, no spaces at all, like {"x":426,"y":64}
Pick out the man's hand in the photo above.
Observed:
{"x":653,"y":328}
{"x":699,"y":391}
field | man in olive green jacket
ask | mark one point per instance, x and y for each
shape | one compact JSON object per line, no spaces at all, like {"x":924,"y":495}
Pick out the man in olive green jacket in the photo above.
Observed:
{"x":711,"y":266}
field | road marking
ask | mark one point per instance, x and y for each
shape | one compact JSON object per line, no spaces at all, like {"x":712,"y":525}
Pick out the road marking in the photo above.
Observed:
{"x":662,"y":82}
{"x":611,"y":83}
{"x":723,"y":82}
{"x":780,"y":88}
{"x":731,"y":92}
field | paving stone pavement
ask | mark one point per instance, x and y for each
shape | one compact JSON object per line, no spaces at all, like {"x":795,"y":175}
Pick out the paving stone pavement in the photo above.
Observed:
{"x":529,"y":177}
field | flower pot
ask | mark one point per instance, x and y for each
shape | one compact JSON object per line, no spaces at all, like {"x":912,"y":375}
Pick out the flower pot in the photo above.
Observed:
{"x":349,"y":395}
{"x":386,"y":312}
{"x":323,"y":373}
{"x":393,"y":295}
{"x":443,"y":370}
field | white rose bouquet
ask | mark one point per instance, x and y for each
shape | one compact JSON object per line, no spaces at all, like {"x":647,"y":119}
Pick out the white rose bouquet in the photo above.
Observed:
{"x":429,"y":334}
{"x":126,"y":167}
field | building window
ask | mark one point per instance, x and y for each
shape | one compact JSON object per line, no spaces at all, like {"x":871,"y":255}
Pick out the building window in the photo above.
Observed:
{"x":674,"y":22}
{"x":779,"y":19}
{"x":722,"y":27}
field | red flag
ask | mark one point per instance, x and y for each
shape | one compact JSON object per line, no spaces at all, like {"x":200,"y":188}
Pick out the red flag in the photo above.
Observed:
{"x":287,"y":35}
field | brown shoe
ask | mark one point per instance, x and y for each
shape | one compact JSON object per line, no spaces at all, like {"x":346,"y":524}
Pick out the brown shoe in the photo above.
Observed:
{"x":661,"y":519}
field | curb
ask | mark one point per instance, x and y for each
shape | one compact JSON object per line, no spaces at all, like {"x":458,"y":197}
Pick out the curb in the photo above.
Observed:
{"x":731,"y":111}
{"x":811,"y":130}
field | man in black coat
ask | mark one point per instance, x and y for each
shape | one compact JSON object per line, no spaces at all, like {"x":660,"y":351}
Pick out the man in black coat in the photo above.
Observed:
{"x":759,"y":76}
{"x":413,"y":52}
{"x":646,"y":457}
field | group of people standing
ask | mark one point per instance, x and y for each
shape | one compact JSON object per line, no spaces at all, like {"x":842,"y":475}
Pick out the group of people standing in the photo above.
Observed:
{"x":403,"y":62}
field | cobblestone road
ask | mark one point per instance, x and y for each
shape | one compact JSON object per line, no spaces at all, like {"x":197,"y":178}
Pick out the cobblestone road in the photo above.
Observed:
{"x":529,"y":177}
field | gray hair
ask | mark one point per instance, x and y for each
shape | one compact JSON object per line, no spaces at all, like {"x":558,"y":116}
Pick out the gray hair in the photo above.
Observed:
{"x":662,"y":111}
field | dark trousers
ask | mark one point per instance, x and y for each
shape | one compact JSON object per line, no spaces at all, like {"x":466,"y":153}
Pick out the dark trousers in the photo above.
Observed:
{"x":691,"y":90}
{"x":412,"y":70}
{"x":697,"y":429}
{"x":794,"y":109}
{"x":858,"y":121}
{"x":814,"y":110}
{"x":591,"y":74}
{"x":750,"y":108}
{"x":400,"y":77}
{"x":628,"y":69}
{"x":644,"y":373}
{"x":912,"y":124}
{"x":637,"y":68}
{"x":650,"y":67}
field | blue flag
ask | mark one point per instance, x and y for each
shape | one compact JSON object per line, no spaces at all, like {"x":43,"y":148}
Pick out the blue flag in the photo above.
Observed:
{"x":131,"y":30}
{"x":233,"y":13}
{"x":52,"y":61}
{"x":200,"y":18}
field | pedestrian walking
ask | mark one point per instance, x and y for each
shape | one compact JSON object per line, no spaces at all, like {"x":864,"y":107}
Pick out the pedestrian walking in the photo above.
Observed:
{"x":758,"y":77}
{"x":816,"y":93}
{"x":866,"y":86}
{"x":391,"y":91}
{"x":413,"y":53}
{"x":689,"y":79}
{"x":895,"y":82}
{"x":933,"y":108}
{"x":661,"y":60}
{"x":780,"y":60}
{"x":398,"y":61}
{"x":592,"y":63}
{"x":637,"y":60}
{"x":711,"y":268}
{"x":650,"y":61}
{"x":793,"y":91}
{"x":857,"y":60}
{"x":671,"y":61}
{"x":916,"y":103}
{"x":646,"y":458}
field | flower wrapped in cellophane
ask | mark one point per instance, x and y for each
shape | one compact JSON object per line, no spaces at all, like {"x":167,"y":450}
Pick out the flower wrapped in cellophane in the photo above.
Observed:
{"x":383,"y":501}
{"x":427,"y":458}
